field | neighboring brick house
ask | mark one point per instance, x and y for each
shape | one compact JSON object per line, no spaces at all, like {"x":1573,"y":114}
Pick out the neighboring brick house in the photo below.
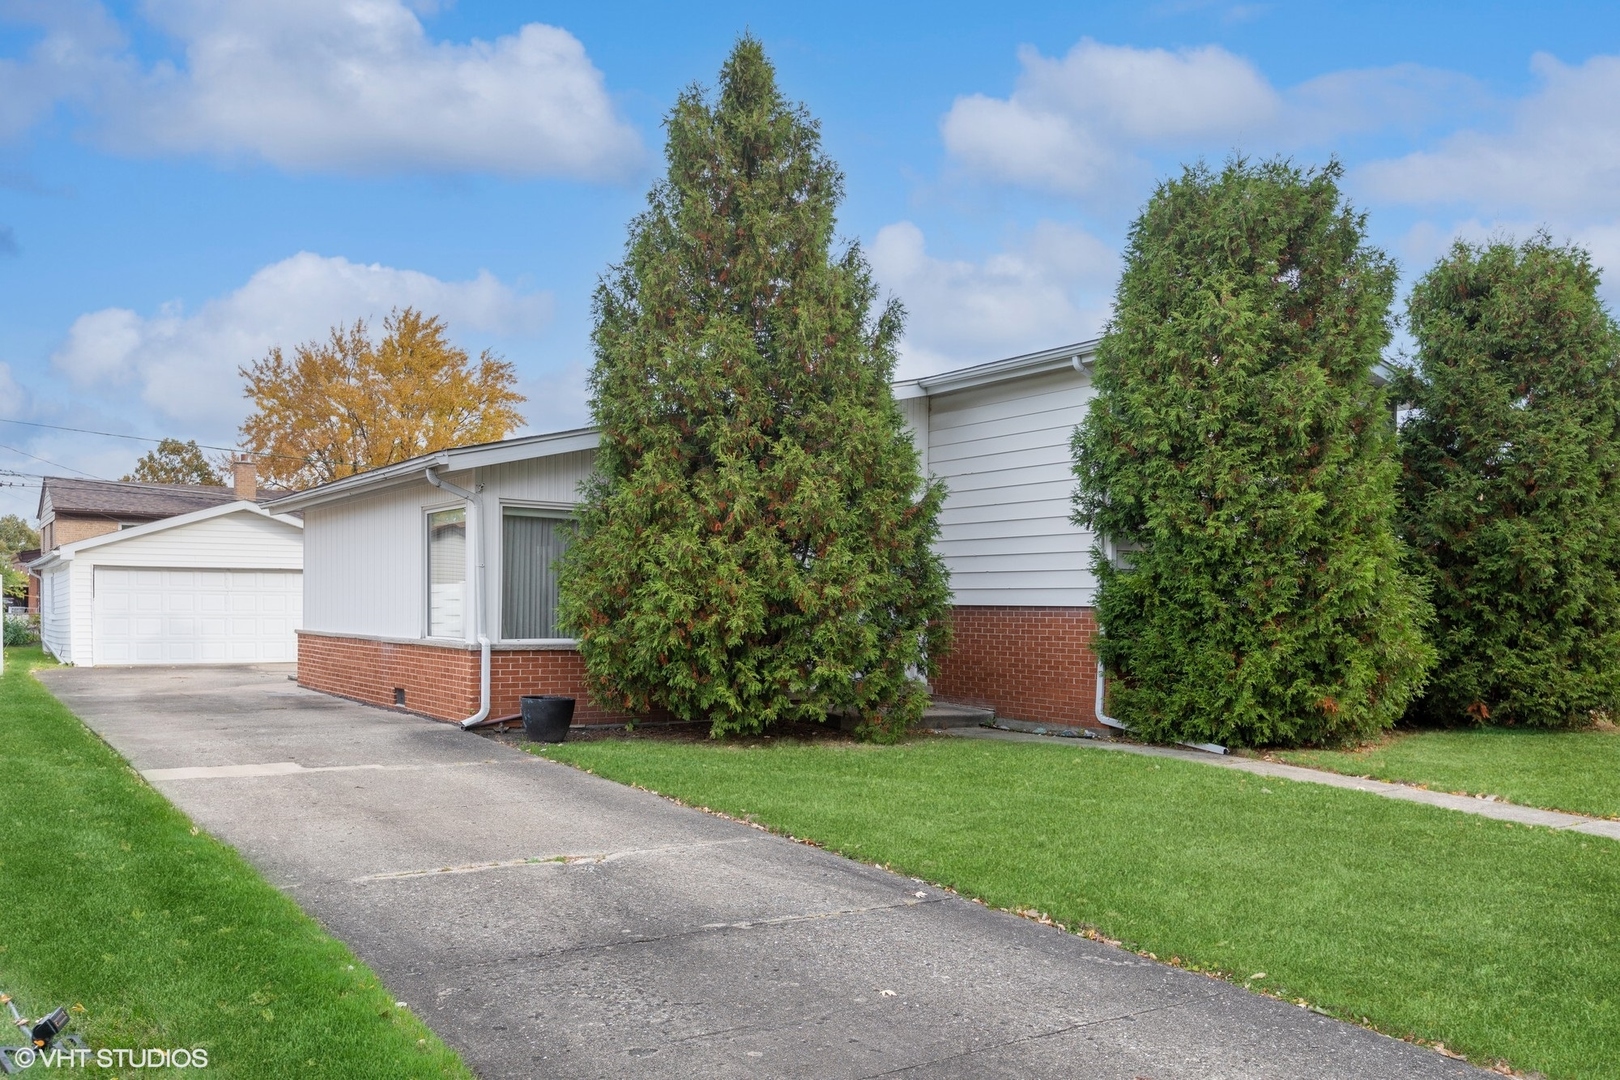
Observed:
{"x":73,"y":509}
{"x":394,"y":613}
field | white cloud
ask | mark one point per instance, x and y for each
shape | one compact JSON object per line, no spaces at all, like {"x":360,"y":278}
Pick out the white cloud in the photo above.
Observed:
{"x":558,"y":400}
{"x":1603,"y":241}
{"x":1151,"y":94}
{"x":1070,"y":123}
{"x":1052,"y":287}
{"x":1426,"y":241}
{"x":99,"y":346}
{"x":72,"y":57}
{"x":1407,"y":99}
{"x":184,"y":367}
{"x":1557,"y":154}
{"x":1083,"y":123}
{"x":334,"y":85}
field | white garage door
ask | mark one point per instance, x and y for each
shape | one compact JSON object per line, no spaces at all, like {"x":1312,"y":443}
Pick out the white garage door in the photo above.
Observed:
{"x":196,"y":616}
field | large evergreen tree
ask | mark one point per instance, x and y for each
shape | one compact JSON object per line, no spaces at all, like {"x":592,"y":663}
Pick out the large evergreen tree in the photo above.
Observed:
{"x":1239,"y":456}
{"x":756,"y":543}
{"x":1511,"y":483}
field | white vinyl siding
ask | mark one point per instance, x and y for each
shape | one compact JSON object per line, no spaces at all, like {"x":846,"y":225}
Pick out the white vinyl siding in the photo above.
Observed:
{"x":1003,"y":452}
{"x":364,"y":564}
{"x":915,"y":412}
{"x":366,"y":557}
{"x":55,"y":624}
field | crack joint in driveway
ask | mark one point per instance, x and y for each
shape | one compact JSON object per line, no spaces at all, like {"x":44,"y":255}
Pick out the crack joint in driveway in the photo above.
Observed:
{"x":548,"y":860}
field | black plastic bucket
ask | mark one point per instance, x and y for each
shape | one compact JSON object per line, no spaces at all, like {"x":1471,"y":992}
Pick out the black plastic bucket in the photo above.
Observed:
{"x":546,"y":717}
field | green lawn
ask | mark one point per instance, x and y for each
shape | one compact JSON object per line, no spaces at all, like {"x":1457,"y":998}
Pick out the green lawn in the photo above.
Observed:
{"x":1500,"y":941}
{"x":1555,"y":770}
{"x":160,"y":936}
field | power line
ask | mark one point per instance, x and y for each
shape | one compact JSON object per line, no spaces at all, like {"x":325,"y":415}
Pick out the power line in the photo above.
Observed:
{"x":11,"y":478}
{"x":48,"y":461}
{"x":136,"y":438}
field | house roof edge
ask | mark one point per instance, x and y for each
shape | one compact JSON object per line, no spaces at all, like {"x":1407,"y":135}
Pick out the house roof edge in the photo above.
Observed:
{"x":456,"y":459}
{"x":1078,"y":355}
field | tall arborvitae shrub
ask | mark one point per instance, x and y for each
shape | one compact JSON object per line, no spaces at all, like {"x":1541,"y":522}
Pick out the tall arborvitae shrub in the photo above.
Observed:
{"x":756,"y":543}
{"x":1239,"y":456}
{"x":1511,"y":483}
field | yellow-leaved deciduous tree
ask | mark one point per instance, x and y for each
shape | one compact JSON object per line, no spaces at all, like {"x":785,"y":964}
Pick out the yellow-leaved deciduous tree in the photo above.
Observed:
{"x":345,"y":405}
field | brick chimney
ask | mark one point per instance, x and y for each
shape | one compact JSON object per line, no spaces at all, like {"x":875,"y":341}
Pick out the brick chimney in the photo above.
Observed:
{"x":245,"y":478}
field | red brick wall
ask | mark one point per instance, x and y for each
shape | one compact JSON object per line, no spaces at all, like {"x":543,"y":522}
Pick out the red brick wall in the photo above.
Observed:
{"x":513,"y":673}
{"x":1027,"y":663}
{"x":69,"y":530}
{"x":443,"y":682}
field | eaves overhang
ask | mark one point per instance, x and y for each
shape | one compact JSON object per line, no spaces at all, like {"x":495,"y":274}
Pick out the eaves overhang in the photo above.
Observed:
{"x":459,"y":459}
{"x":1078,"y":357}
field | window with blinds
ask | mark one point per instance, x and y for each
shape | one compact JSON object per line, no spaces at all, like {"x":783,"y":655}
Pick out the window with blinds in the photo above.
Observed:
{"x":447,"y":572}
{"x":531,"y":543}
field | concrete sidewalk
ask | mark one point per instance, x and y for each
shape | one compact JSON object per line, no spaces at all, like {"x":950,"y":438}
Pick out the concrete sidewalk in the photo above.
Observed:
{"x":1466,"y":804}
{"x":547,"y":922}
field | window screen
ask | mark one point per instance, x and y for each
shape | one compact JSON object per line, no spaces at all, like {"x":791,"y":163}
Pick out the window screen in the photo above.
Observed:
{"x":447,"y":572}
{"x":531,"y":542}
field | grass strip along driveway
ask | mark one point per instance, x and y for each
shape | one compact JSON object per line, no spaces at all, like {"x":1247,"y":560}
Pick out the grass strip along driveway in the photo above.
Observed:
{"x":158,"y":935}
{"x":1501,"y":941}
{"x":1577,"y":771}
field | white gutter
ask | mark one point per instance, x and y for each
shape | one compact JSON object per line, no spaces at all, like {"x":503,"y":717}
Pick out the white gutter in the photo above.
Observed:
{"x":1077,"y":356}
{"x":455,"y":459}
{"x":477,"y":530}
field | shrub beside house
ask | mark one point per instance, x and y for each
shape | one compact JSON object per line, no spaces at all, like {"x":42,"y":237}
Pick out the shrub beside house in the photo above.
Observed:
{"x":1242,"y":453}
{"x":754,"y":545}
{"x":1510,"y":488}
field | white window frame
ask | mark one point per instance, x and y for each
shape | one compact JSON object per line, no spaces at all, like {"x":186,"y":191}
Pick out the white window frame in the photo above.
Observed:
{"x":427,"y":570}
{"x":562,"y":512}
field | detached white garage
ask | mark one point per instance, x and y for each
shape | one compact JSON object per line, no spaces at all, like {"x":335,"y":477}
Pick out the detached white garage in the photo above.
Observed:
{"x":217,"y":586}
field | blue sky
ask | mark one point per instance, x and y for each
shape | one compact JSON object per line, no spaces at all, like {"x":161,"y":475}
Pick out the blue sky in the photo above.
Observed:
{"x":184,"y":184}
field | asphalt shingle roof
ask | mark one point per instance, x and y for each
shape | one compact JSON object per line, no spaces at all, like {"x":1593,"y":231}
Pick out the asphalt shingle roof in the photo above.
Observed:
{"x":127,"y":499}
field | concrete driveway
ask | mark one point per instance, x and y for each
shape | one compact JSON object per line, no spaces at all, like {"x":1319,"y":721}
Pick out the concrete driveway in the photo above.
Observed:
{"x":550,"y":923}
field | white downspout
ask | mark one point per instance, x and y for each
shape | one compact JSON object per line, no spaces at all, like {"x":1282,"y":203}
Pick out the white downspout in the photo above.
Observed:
{"x":1206,"y":747}
{"x":477,"y":531}
{"x":1103,"y":718}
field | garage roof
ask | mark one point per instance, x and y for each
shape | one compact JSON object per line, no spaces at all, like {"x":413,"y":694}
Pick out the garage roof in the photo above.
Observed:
{"x":66,"y":552}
